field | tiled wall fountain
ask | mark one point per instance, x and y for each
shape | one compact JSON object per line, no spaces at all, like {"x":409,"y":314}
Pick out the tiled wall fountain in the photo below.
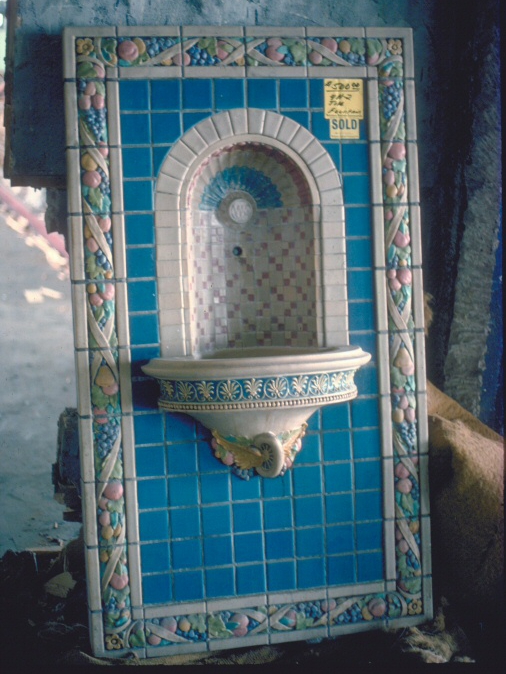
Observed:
{"x":244,"y":218}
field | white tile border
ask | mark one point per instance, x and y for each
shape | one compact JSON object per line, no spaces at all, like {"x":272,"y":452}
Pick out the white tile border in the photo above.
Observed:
{"x":93,"y":574}
{"x":83,"y":383}
{"x":261,"y":639}
{"x":75,"y":228}
{"x":151,"y":72}
{"x":86,"y":454}
{"x":184,"y":608}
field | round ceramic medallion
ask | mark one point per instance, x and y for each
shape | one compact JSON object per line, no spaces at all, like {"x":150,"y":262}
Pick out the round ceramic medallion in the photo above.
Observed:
{"x":238,"y":208}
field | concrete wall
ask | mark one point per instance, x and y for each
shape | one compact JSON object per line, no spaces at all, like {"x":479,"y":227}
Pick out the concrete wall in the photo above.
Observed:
{"x":458,"y":89}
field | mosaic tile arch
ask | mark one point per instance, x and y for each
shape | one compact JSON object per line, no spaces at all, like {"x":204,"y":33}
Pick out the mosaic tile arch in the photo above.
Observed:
{"x":182,"y":556}
{"x":294,"y":225}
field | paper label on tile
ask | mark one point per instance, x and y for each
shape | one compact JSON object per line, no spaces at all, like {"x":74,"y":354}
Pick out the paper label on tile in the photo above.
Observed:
{"x":344,"y":98}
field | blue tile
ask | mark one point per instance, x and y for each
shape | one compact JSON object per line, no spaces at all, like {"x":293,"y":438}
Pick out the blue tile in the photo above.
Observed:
{"x":360,"y":284}
{"x":339,"y":508}
{"x":262,"y":94}
{"x":155,"y":557}
{"x":197,"y":94}
{"x":334,"y":150}
{"x":355,"y":157}
{"x":150,"y":461}
{"x":141,"y":262}
{"x":357,"y":190}
{"x":341,"y":570}
{"x":145,"y":395}
{"x":144,"y":329}
{"x":310,"y":573}
{"x":370,"y":567}
{"x":358,"y":221}
{"x":184,"y":523}
{"x":314,"y":421}
{"x":366,"y":444}
{"x":183,"y":491}
{"x":192,"y":118}
{"x":138,"y":195}
{"x":156,"y":589}
{"x":293,"y":93}
{"x":338,"y":477}
{"x":361,"y":316}
{"x":336,"y":417}
{"x":281,"y":576}
{"x":281,"y":486}
{"x":368,"y":475}
{"x":134,"y":95}
{"x":243,"y":490}
{"x":154,"y":526}
{"x":220,"y":582}
{"x":308,"y":511}
{"x":358,"y":254}
{"x":140,"y":229}
{"x":310,"y":450}
{"x":188,"y":585}
{"x":316,"y":93}
{"x":249,"y":548}
{"x":298,"y":116}
{"x":208,"y":463}
{"x":278,"y":514}
{"x":159,"y":155}
{"x":365,"y":412}
{"x":142,"y":296}
{"x":370,"y":536}
{"x":309,"y":542}
{"x":250,"y":579}
{"x":366,"y":380}
{"x":186,"y":554}
{"x":165,"y":94}
{"x":182,"y":459}
{"x":279,"y":544}
{"x":366,"y":342}
{"x":307,"y":480}
{"x":320,"y":126}
{"x":340,"y":539}
{"x":179,"y":428}
{"x":152,"y":494}
{"x":166,"y":127}
{"x":137,"y":162}
{"x":368,"y":506}
{"x":247,"y":517}
{"x":218,"y":550}
{"x":228,"y":94}
{"x":216,"y":520}
{"x":337,"y":446}
{"x":215,"y":488}
{"x":135,"y":129}
{"x":148,"y":429}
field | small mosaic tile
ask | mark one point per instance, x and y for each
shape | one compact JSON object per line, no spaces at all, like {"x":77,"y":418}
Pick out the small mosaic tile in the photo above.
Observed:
{"x":178,"y":542}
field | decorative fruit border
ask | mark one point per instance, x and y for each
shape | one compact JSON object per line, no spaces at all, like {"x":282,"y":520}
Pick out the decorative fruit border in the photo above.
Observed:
{"x":93,"y":56}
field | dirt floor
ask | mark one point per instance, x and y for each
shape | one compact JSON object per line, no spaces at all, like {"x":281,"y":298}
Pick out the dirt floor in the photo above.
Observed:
{"x":37,"y":382}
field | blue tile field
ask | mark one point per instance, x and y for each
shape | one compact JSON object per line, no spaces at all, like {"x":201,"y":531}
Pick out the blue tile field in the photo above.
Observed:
{"x":204,"y":533}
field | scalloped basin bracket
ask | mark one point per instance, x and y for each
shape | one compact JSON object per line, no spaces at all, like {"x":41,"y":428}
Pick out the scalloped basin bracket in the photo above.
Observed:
{"x":256,"y":401}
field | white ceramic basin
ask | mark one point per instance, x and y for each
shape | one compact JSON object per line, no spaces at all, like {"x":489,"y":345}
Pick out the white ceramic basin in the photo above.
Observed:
{"x":258,"y":398}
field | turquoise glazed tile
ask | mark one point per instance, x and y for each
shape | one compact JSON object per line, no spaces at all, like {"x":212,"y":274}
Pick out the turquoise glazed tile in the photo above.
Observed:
{"x":357,"y":189}
{"x":197,"y":94}
{"x":188,"y":585}
{"x":262,"y":94}
{"x":154,"y":525}
{"x":310,"y":572}
{"x":250,"y":579}
{"x":355,"y":158}
{"x":368,"y":475}
{"x":361,"y":315}
{"x":134,"y":95}
{"x":150,"y":461}
{"x":183,"y":491}
{"x":293,"y":94}
{"x":368,"y":506}
{"x":249,"y":548}
{"x":140,"y":229}
{"x":165,"y":95}
{"x":165,"y":127}
{"x":144,"y":329}
{"x":182,"y":458}
{"x":281,"y":576}
{"x":341,"y":570}
{"x":137,"y":162}
{"x":155,"y":557}
{"x":142,"y":296}
{"x":152,"y":494}
{"x":138,"y":195}
{"x":370,"y":567}
{"x":220,"y":582}
{"x":216,"y":520}
{"x":228,"y":94}
{"x":278,"y":514}
{"x":358,"y":221}
{"x":157,"y":589}
{"x":148,"y":429}
{"x":337,"y":446}
{"x":185,"y":523}
{"x":366,"y":443}
{"x":141,"y":262}
{"x":339,"y":508}
{"x":135,"y":129}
